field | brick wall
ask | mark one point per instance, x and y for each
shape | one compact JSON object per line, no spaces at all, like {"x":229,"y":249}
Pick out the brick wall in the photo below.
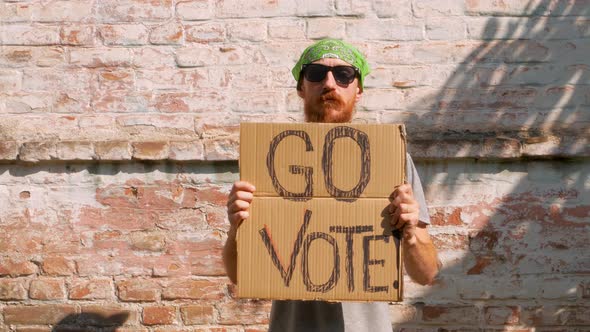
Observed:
{"x":118,"y":127}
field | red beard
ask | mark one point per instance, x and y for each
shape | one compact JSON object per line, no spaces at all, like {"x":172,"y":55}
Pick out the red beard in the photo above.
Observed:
{"x":329,"y":108}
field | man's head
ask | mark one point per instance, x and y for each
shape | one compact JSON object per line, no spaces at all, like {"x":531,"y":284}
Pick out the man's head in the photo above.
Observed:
{"x":330,"y":76}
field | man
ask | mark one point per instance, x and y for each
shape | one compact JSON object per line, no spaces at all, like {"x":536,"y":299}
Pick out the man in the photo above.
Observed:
{"x":330,"y":76}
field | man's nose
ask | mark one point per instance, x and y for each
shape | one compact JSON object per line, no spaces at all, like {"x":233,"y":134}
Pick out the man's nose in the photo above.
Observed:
{"x":330,"y":81}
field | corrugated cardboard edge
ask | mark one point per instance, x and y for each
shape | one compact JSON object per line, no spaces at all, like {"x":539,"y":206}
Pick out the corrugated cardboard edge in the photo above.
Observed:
{"x":403,"y":134}
{"x":402,"y":130}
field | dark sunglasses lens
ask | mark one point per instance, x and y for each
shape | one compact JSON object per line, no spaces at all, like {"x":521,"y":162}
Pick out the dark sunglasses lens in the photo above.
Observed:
{"x":315,"y":73}
{"x":344,"y":74}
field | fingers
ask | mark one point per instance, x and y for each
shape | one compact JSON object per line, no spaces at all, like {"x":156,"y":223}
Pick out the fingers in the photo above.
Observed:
{"x":236,"y":218}
{"x":243,"y":186}
{"x":239,"y":201}
{"x":403,"y":192}
{"x":239,"y":196}
{"x":404,"y":215}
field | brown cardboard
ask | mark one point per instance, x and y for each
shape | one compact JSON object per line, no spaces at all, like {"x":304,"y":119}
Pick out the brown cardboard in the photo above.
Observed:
{"x":318,"y":226}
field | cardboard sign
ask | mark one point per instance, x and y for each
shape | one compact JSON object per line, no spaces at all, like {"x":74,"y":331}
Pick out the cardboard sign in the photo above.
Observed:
{"x":319,"y":227}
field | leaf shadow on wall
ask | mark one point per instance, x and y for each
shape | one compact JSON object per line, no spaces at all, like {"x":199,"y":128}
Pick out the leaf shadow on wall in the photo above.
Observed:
{"x":522,"y":255}
{"x":91,"y":322}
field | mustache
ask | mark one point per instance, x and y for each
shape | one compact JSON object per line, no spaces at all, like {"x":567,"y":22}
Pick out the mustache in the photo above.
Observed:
{"x":331,"y":96}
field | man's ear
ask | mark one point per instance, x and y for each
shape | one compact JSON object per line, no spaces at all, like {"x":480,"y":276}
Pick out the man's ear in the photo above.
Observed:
{"x":359,"y":93}
{"x":300,"y":93}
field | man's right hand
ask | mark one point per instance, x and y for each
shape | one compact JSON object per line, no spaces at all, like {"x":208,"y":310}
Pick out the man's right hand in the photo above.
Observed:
{"x":238,"y":204}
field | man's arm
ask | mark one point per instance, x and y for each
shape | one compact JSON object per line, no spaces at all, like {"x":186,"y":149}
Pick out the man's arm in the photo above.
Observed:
{"x":420,"y":256}
{"x":238,"y":204}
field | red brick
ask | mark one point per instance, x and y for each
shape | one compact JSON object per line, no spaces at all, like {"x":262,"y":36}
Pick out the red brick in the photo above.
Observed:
{"x":37,"y":314}
{"x":35,"y":151}
{"x":124,"y":34}
{"x":16,"y":267}
{"x":120,"y":101}
{"x":198,"y":314}
{"x":212,"y":195}
{"x":150,"y":150}
{"x":192,"y":150}
{"x":244,"y":312}
{"x":254,"y":8}
{"x":138,"y":290}
{"x":148,"y":241}
{"x":112,"y":150}
{"x":29,"y":35}
{"x":132,"y":329}
{"x":502,"y":315}
{"x":253,"y":31}
{"x":161,"y":58}
{"x":586,"y":290}
{"x":167,"y":34}
{"x":198,"y":329}
{"x":480,"y":264}
{"x":254,"y":329}
{"x":116,"y":79}
{"x":93,"y":289}
{"x":75,"y":151}
{"x":205,"y":33}
{"x":207,"y":101}
{"x":183,"y":219}
{"x":98,"y":265}
{"x":449,"y":314}
{"x":217,"y":218}
{"x":13,"y":289}
{"x":8,"y":150}
{"x":162,"y":195}
{"x":548,"y":315}
{"x":33,"y":329}
{"x":212,"y":266}
{"x":117,"y":218}
{"x":484,"y":241}
{"x":75,"y":81}
{"x":203,"y":261}
{"x":47,"y":289}
{"x":62,"y":11}
{"x":193,"y":289}
{"x":172,"y":329}
{"x":221,"y":149}
{"x":450,"y":241}
{"x":77,"y":35}
{"x":159,"y":315}
{"x":217,"y":329}
{"x":108,"y":240}
{"x":170,"y":266}
{"x":134,"y":10}
{"x":446,"y":217}
{"x":172,"y":79}
{"x":108,"y":315}
{"x":195,"y":10}
{"x":104,"y":57}
{"x":219,"y":128}
{"x":289,"y":29}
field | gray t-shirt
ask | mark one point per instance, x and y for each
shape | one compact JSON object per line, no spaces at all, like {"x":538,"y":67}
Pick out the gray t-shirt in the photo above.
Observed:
{"x":320,"y":316}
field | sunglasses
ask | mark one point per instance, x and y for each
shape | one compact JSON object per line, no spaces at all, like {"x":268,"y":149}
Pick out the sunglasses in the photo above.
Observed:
{"x":315,"y":72}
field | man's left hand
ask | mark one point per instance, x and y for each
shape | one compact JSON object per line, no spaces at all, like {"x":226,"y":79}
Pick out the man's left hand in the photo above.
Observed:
{"x":404,"y":209}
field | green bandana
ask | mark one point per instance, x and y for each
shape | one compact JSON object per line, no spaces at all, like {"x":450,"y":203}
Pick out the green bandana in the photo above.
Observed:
{"x":333,"y":48}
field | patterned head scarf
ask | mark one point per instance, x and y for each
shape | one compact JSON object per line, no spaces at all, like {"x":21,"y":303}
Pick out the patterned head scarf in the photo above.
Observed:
{"x":333,"y":48}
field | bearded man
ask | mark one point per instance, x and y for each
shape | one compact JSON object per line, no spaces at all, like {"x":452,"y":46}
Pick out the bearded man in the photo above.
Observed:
{"x":330,"y":76}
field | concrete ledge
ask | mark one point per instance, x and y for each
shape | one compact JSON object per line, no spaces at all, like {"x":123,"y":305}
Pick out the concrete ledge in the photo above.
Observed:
{"x":227,"y":148}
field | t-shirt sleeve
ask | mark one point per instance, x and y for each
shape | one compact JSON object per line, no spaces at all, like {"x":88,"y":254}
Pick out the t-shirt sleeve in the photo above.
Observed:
{"x":414,"y":181}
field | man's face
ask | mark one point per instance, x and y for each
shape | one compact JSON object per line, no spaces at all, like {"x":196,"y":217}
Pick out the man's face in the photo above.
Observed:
{"x":327,"y":100}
